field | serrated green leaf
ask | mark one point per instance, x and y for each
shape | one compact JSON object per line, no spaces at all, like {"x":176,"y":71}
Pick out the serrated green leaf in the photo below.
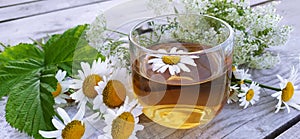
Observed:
{"x":14,"y":72}
{"x":69,"y":49}
{"x":30,"y":103}
{"x":61,"y":49}
{"x":21,"y":52}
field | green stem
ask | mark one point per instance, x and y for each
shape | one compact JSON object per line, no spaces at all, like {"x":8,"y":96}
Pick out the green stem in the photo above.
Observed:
{"x":263,"y":86}
{"x":91,"y":107}
{"x":117,"y":32}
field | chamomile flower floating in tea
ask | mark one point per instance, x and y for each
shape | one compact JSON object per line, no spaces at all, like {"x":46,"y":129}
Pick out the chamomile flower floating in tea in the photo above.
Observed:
{"x":233,"y":96}
{"x":70,"y":128}
{"x":61,"y":88}
{"x":288,"y":96}
{"x":174,"y":63}
{"x":112,"y":91}
{"x":123,"y":124}
{"x":89,"y":78}
{"x":249,"y":95}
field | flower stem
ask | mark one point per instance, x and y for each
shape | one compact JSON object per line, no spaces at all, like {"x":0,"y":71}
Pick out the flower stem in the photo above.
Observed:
{"x":115,"y":31}
{"x":91,"y":107}
{"x":264,"y":86}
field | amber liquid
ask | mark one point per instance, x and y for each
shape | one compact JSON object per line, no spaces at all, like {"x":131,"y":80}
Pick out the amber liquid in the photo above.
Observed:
{"x":188,"y":99}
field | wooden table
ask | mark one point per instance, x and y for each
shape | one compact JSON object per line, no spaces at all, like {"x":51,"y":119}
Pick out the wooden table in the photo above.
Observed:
{"x":21,"y":19}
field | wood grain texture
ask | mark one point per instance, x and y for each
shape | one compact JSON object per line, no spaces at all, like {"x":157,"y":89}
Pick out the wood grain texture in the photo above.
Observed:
{"x":257,"y":121}
{"x":40,"y":7}
{"x":8,"y":3}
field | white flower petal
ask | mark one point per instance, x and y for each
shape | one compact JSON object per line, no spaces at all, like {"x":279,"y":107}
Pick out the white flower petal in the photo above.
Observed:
{"x":155,"y":60}
{"x":187,"y":60}
{"x":86,"y":69}
{"x":163,"y":69}
{"x":184,"y":67}
{"x":176,"y":68}
{"x":276,"y":94}
{"x":287,"y":106}
{"x":157,"y":66}
{"x":50,"y":134}
{"x":81,"y":74}
{"x":59,"y":100}
{"x":57,"y":124}
{"x":63,"y":114}
{"x":173,"y":50}
{"x":171,"y":70}
{"x":77,"y":84}
{"x":79,"y":115}
{"x":162,"y":50}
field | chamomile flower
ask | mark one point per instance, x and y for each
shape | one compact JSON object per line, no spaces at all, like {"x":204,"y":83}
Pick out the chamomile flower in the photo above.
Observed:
{"x":233,"y":96}
{"x":249,"y":95}
{"x":70,"y":128}
{"x":112,"y":91}
{"x":241,"y":74}
{"x":62,"y":87}
{"x":288,"y":96}
{"x":123,"y":124}
{"x":174,"y":63}
{"x":89,"y":78}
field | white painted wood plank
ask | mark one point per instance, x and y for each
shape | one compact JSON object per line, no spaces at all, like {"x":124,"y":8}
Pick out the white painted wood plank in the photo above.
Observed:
{"x":40,"y":7}
{"x":233,"y":122}
{"x":13,"y":2}
{"x":40,"y":26}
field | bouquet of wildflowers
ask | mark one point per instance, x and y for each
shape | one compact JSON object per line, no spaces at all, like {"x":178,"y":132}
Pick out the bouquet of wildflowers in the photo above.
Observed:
{"x":87,"y":66}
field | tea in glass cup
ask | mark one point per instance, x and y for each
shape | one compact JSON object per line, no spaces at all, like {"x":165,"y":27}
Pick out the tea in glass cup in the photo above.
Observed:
{"x":181,"y":68}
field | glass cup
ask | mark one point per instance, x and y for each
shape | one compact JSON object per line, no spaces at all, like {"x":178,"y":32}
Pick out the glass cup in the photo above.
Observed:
{"x":181,"y":68}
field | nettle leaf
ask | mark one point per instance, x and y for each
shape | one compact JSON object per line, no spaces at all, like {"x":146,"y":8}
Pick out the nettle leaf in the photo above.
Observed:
{"x":20,"y":52}
{"x":14,"y":72}
{"x":30,"y":103}
{"x":60,"y":50}
{"x":69,"y":49}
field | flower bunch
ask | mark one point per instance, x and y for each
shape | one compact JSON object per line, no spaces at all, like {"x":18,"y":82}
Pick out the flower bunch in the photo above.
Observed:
{"x":104,"y":91}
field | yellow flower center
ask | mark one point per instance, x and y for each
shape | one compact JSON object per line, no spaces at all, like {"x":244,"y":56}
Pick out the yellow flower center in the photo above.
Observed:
{"x":233,"y":68}
{"x":88,"y":85}
{"x":122,"y":126}
{"x":57,"y":91}
{"x":250,"y":95}
{"x":287,"y":92}
{"x":171,"y":60}
{"x":73,"y":130}
{"x":114,"y":94}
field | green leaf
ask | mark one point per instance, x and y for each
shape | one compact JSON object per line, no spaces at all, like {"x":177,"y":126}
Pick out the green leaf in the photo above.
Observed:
{"x":21,"y":52}
{"x":14,"y":72}
{"x":60,"y":49}
{"x":69,"y":49}
{"x":30,"y":104}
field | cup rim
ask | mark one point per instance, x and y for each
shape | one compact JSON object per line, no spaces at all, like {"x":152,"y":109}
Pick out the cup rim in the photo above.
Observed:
{"x":208,"y":50}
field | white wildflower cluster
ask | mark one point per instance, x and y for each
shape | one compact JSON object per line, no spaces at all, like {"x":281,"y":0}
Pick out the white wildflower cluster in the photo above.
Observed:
{"x":110,"y":43}
{"x":256,"y":28}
